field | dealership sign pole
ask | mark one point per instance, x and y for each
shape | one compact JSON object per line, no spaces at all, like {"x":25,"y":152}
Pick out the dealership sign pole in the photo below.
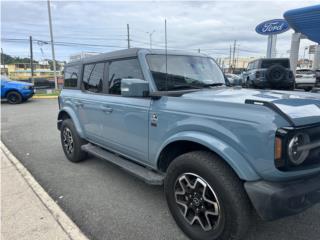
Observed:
{"x":272,"y":28}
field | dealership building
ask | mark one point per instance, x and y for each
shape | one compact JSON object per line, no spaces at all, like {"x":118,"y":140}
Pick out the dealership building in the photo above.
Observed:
{"x":306,"y":24}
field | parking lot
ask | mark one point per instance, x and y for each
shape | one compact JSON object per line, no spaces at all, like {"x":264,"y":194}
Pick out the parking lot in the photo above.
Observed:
{"x":104,"y":201}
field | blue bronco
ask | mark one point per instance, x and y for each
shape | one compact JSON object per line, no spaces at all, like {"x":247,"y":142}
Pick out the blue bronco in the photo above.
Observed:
{"x":222,"y":153}
{"x":15,"y":91}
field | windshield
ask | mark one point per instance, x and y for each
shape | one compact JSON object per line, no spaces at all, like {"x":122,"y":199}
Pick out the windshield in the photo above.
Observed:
{"x":184,"y":72}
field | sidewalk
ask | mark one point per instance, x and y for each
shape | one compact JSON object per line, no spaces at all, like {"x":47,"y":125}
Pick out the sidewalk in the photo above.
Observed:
{"x":27,"y":211}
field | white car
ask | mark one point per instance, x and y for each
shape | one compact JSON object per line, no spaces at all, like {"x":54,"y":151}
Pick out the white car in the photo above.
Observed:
{"x":234,"y":79}
{"x":306,"y":79}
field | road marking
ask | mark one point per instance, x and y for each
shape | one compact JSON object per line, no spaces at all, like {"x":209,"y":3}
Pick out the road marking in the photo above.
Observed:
{"x":70,"y":228}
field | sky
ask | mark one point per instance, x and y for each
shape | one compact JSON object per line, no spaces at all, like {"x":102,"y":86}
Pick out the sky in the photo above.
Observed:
{"x":101,"y":26}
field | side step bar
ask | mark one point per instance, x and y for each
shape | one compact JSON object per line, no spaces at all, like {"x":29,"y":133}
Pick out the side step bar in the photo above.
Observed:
{"x":147,"y":175}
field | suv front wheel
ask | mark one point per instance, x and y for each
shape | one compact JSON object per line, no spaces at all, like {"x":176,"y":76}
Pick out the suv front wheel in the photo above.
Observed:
{"x":14,"y":97}
{"x":71,"y":142}
{"x":206,"y":198}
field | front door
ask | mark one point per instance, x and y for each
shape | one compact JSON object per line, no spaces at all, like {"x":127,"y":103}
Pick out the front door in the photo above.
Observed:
{"x":125,"y":125}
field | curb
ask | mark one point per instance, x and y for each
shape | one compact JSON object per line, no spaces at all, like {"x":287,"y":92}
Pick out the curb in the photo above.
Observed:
{"x":44,"y":97}
{"x":67,"y":225}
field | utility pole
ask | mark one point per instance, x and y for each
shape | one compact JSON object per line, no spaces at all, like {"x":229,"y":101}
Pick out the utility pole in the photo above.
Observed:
{"x":166,"y":51}
{"x":52,"y":48}
{"x":2,"y":61}
{"x":128,"y":34}
{"x":31,"y":60}
{"x":234,"y":54}
{"x":230,"y":60}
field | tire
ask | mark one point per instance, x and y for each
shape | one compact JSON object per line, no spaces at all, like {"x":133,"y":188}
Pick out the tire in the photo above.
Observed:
{"x":308,"y":89}
{"x":14,"y":97}
{"x":222,"y":187}
{"x":276,"y":74}
{"x":249,"y":84}
{"x":68,"y":134}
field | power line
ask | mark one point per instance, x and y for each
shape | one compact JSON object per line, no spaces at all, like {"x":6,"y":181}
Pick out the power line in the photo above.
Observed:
{"x":61,"y":43}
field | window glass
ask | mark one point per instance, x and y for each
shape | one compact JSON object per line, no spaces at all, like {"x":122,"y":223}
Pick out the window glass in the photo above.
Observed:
{"x":266,"y":63}
{"x":118,"y":70}
{"x":93,"y":77}
{"x":184,"y":72}
{"x":71,"y":74}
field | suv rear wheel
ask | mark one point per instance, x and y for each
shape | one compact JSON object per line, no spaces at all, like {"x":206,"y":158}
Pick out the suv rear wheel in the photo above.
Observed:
{"x":14,"y":97}
{"x":249,"y":83}
{"x":206,"y":198}
{"x":71,"y":142}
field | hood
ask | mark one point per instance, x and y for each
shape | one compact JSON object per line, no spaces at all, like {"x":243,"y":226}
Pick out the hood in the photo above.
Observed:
{"x":300,"y":108}
{"x":18,"y":83}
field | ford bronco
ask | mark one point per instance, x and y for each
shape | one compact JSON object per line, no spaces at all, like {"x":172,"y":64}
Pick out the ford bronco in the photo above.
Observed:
{"x":271,"y":73}
{"x":224,"y":154}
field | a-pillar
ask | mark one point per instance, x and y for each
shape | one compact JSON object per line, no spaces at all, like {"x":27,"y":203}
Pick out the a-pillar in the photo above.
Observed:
{"x":294,"y":51}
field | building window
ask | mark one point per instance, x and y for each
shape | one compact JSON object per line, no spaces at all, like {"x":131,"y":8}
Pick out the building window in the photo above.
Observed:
{"x":93,"y":77}
{"x":120,"y":69}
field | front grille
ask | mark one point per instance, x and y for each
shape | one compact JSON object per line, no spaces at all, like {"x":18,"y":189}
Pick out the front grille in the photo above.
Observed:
{"x":314,"y":156}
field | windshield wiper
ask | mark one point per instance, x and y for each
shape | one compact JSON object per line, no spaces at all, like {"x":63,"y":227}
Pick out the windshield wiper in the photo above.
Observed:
{"x":213,"y":85}
{"x":184,"y":87}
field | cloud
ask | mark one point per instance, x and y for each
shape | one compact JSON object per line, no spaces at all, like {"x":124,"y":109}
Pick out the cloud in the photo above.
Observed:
{"x":210,"y":26}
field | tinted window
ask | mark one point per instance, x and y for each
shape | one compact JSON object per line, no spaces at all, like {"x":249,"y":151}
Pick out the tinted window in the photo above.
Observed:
{"x":93,"y":77}
{"x":118,"y":70}
{"x":71,"y":74}
{"x":268,"y":63}
{"x":305,"y":71}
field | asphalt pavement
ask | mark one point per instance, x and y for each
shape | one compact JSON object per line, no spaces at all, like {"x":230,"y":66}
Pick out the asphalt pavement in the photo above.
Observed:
{"x":104,"y":201}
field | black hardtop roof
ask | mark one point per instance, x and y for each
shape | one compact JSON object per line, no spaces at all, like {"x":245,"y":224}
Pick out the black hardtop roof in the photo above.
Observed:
{"x":132,"y":52}
{"x":268,"y":59}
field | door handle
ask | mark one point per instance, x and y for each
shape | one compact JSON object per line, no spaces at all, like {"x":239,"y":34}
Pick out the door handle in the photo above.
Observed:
{"x":106,"y":109}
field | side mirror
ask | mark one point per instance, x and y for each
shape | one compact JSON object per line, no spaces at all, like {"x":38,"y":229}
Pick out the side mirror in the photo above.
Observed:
{"x":132,"y":87}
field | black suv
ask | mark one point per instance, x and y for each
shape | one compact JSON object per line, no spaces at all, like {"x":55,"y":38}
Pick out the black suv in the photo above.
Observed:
{"x":271,"y":73}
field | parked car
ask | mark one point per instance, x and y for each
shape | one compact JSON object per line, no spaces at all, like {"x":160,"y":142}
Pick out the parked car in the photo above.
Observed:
{"x":272,"y":73}
{"x":41,"y":83}
{"x":234,"y":79}
{"x":306,"y":79}
{"x":14,"y":91}
{"x":221,"y":153}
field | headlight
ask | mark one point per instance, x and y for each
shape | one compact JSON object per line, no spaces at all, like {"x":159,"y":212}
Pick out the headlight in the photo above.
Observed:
{"x":297,"y":155}
{"x":297,"y":148}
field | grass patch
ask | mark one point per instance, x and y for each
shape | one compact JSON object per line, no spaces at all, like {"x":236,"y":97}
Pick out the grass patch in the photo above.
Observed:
{"x":43,"y":94}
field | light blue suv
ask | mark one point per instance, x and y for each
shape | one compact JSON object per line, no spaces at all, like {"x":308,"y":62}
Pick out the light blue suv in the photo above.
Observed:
{"x":222,"y":153}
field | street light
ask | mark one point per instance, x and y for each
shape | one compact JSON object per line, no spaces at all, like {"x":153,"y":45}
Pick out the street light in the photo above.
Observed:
{"x":150,"y":37}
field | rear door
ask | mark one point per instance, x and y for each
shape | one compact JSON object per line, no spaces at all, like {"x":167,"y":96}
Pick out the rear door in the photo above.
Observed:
{"x":90,"y":102}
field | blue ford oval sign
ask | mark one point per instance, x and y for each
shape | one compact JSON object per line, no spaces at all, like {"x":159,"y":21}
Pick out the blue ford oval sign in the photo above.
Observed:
{"x":274,"y":26}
